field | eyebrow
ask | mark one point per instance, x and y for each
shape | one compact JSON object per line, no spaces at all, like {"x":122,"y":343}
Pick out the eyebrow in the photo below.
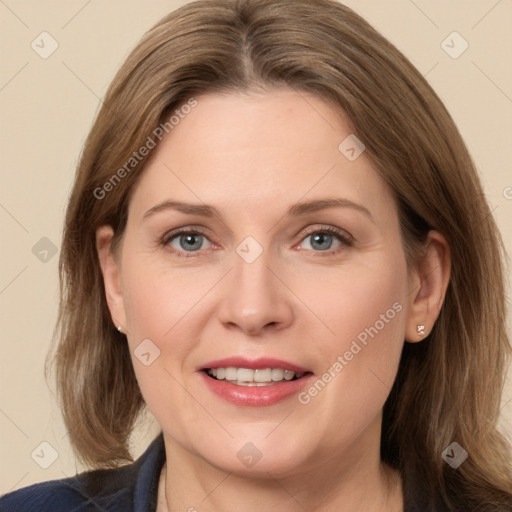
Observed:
{"x":295,"y":210}
{"x":203,"y":210}
{"x":322,"y":204}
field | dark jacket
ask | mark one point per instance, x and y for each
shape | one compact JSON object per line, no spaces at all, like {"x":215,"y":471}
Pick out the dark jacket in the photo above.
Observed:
{"x":131,"y":488}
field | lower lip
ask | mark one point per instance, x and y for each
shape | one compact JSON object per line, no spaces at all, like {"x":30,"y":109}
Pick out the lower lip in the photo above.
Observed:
{"x":255,"y":396}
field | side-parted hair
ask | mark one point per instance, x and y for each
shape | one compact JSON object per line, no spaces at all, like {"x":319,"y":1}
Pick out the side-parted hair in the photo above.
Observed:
{"x":448,"y":387}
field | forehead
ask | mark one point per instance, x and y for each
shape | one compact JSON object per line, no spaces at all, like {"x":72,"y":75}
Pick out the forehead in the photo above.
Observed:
{"x":260,"y":152}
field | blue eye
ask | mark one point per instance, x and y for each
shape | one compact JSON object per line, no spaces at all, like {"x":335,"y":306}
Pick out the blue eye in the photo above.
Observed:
{"x":321,"y":241}
{"x":328,"y":239}
{"x":188,"y":241}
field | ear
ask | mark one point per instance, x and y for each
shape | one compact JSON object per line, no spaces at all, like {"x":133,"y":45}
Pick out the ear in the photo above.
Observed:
{"x":111,"y":270}
{"x":428,"y":282}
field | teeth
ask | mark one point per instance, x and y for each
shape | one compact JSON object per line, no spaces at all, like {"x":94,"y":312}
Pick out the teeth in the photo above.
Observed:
{"x":288,"y":375}
{"x":262,"y":375}
{"x":245,"y":375}
{"x":231,"y":374}
{"x":277,"y":374}
{"x":248,"y":377}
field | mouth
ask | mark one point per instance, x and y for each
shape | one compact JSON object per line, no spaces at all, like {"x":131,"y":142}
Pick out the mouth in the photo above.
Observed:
{"x":253,"y":377}
{"x":254,"y":383}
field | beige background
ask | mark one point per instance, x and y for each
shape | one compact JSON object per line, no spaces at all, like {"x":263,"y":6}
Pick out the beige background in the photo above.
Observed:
{"x":47,"y":108}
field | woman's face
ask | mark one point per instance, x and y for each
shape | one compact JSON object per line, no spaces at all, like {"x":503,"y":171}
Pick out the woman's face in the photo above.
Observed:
{"x":255,"y":241}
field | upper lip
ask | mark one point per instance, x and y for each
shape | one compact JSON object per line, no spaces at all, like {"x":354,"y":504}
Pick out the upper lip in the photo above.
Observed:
{"x":254,"y":364}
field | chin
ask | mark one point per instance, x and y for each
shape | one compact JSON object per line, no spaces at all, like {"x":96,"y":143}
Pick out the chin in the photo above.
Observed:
{"x":261,"y":458}
{"x":270,"y":466}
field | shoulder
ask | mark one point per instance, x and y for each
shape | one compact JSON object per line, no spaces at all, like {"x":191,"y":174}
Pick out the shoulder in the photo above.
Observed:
{"x":420,"y":498}
{"x":54,"y":496}
{"x":88,"y":491}
{"x":121,"y":489}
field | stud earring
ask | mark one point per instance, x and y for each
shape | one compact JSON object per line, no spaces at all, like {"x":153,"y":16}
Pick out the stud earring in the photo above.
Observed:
{"x":421,"y":330}
{"x":119,"y":328}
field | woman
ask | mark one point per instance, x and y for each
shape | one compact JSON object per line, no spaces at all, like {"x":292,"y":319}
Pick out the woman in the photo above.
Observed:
{"x":278,"y":242}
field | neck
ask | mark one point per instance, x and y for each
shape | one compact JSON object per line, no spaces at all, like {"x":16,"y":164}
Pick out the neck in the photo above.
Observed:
{"x":189,"y":483}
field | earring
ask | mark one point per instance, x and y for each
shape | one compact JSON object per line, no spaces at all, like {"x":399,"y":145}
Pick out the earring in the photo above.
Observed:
{"x":421,"y":330}
{"x":119,"y":328}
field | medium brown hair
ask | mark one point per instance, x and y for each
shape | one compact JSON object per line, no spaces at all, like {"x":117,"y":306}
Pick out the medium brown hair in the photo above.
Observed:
{"x":448,"y":387}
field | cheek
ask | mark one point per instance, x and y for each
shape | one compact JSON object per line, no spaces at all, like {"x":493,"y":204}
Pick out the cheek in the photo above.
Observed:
{"x":358,"y":297}
{"x":365,"y":315}
{"x":156,"y":297}
{"x":163,"y":312}
{"x":157,"y":347}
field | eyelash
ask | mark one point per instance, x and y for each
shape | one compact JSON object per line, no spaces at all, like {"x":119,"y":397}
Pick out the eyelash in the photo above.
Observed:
{"x":343,"y":237}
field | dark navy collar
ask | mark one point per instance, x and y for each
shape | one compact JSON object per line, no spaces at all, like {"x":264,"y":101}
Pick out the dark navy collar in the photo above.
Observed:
{"x":130,"y":488}
{"x":134,"y":488}
{"x":146,"y":486}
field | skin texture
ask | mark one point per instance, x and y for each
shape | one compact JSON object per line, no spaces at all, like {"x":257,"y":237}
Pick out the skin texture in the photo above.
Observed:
{"x":252,"y":156}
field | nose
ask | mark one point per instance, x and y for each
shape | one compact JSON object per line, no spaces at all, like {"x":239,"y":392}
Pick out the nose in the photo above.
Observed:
{"x":254,"y":300}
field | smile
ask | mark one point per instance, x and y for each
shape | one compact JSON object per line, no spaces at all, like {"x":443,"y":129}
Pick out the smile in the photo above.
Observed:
{"x":250,"y":377}
{"x":254,"y":383}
